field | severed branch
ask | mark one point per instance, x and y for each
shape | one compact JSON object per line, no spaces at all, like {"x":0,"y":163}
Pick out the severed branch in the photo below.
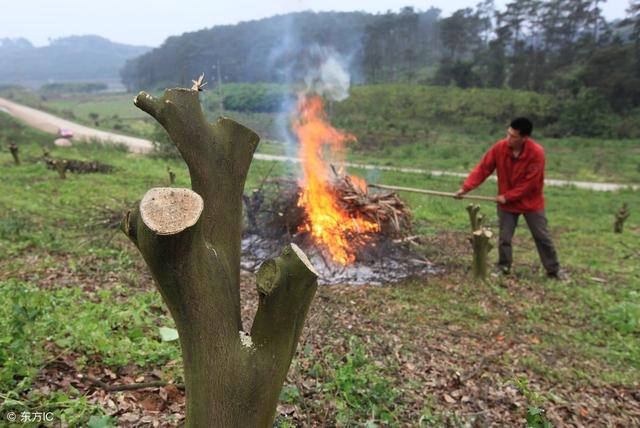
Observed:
{"x":286,"y":286}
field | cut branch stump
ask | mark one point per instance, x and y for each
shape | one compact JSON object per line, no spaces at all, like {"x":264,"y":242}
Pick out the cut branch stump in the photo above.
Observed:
{"x":622,"y":214}
{"x":481,"y":238}
{"x":13,"y":148}
{"x":61,"y":165}
{"x":190,"y":239}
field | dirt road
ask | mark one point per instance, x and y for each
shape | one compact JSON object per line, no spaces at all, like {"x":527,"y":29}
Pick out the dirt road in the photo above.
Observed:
{"x":49,"y":123}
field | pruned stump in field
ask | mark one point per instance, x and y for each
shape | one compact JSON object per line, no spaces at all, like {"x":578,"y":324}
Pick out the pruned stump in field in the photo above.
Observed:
{"x":13,"y":148}
{"x":480,"y":242}
{"x":190,"y":240}
{"x":61,"y":166}
{"x":622,"y":214}
{"x":172,"y":176}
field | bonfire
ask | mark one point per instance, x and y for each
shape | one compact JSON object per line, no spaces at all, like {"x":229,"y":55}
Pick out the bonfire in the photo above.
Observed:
{"x":327,"y":211}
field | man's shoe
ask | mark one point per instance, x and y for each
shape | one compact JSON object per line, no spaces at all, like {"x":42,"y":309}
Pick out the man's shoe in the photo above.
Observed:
{"x":558,"y":276}
{"x":504,"y":270}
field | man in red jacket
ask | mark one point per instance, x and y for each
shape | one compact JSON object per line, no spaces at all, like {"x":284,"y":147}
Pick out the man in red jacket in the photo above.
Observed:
{"x":519,"y":162}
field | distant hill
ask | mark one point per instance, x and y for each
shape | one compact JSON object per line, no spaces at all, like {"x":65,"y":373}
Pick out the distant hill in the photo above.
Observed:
{"x":378,"y":48}
{"x":75,"y":58}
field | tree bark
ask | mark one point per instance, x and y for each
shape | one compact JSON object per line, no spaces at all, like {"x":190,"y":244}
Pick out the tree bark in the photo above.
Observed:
{"x":480,"y":242}
{"x":191,"y":241}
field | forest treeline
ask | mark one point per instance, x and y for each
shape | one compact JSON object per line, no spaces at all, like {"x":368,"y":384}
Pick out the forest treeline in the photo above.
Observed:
{"x":566,"y":49}
{"x":563,"y":47}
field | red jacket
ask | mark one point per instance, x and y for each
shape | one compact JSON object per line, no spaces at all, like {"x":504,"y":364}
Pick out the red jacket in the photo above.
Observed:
{"x":520,"y":180}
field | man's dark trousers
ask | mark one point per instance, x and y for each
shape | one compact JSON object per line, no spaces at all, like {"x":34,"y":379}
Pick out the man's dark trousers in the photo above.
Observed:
{"x":537,"y":223}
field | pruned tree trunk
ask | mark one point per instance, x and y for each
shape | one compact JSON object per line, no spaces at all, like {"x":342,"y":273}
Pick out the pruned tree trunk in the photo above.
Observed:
{"x":191,"y":241}
{"x":480,"y":242}
{"x":622,"y":214}
{"x":13,"y":148}
{"x":61,"y":166}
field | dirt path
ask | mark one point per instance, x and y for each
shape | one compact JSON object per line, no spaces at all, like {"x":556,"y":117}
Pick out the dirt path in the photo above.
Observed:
{"x":49,"y":123}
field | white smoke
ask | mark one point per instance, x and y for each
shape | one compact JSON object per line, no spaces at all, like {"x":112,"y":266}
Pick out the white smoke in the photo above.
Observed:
{"x":331,"y":79}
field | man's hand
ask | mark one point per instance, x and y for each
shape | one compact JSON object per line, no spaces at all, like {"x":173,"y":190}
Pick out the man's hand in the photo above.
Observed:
{"x":501,"y":199}
{"x":459,"y":193}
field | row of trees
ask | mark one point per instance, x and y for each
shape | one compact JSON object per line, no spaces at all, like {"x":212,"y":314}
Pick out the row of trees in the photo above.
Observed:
{"x":559,"y":46}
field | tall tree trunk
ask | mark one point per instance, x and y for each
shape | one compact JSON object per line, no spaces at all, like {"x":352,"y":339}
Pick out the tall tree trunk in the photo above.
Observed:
{"x":190,"y":240}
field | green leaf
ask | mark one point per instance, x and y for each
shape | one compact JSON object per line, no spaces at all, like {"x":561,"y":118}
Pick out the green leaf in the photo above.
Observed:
{"x":288,"y":394}
{"x":168,"y":334}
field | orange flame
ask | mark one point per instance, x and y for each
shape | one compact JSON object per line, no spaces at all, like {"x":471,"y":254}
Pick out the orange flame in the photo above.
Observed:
{"x":329,"y":224}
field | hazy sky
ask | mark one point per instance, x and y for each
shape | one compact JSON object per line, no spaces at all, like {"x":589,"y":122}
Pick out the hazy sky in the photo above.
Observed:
{"x":149,"y":22}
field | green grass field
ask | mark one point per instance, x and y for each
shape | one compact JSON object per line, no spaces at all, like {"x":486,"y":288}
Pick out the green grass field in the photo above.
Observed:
{"x":434,"y":351}
{"x":424,"y":144}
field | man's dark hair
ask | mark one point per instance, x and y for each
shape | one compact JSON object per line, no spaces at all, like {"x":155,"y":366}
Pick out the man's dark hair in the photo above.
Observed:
{"x":522,"y":125}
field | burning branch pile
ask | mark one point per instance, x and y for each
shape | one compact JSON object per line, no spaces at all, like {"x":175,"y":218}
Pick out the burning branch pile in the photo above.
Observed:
{"x":387,"y":210}
{"x":351,"y":232}
{"x":275,"y":204}
{"x":274,"y":216}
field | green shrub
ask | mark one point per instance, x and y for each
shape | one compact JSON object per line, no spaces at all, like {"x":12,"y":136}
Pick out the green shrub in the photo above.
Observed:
{"x":261,"y":97}
{"x":587,"y":114}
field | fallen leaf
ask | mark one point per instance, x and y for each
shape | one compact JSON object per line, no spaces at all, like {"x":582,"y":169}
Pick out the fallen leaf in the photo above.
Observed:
{"x":286,"y":409}
{"x":152,"y":403}
{"x":168,"y":334}
{"x":129,"y":417}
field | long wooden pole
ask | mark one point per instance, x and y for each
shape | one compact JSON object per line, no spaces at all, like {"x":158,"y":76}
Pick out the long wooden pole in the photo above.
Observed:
{"x":432,"y":192}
